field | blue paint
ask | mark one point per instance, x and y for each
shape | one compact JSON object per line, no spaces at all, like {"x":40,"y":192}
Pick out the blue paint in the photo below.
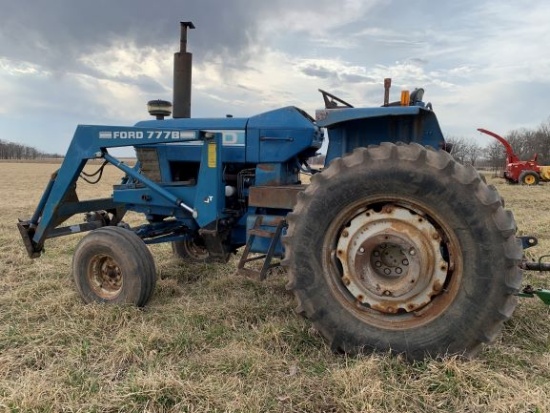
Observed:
{"x":207,"y":165}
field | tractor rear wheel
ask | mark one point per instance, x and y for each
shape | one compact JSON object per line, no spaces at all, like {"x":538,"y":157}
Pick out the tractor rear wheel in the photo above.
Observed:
{"x":529,"y":178}
{"x":400,"y":248}
{"x":113,"y":265}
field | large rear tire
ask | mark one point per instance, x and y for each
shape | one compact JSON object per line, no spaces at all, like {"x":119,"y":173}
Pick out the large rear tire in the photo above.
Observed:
{"x":400,"y":248}
{"x":113,"y":265}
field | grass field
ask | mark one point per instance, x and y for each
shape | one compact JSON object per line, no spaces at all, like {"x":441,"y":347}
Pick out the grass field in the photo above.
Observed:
{"x":211,"y":340}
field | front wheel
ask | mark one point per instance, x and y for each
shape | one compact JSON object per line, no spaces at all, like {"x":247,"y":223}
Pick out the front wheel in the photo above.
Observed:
{"x":402,"y":249}
{"x":113,"y":265}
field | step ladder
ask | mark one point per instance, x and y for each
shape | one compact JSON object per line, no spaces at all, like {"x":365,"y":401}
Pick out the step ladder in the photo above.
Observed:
{"x":257,"y":231}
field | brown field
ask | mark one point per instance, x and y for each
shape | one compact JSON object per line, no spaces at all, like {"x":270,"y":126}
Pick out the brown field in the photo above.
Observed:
{"x":211,"y":340}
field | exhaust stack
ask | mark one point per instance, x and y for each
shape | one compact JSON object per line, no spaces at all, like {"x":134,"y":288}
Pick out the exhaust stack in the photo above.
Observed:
{"x":183,"y":62}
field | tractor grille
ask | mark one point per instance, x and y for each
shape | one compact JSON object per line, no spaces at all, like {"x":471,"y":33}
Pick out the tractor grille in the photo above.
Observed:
{"x":149,"y":161}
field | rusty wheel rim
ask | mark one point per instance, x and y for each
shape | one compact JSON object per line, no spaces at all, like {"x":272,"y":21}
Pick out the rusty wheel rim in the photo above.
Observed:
{"x":105,"y":277}
{"x":393,"y":264}
{"x":196,"y":251}
{"x":529,"y":179}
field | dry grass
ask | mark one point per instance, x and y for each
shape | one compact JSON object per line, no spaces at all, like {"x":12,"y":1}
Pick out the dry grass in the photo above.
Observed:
{"x":213,"y":341}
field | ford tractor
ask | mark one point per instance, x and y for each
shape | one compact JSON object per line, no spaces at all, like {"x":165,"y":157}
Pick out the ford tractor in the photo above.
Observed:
{"x":393,"y":246}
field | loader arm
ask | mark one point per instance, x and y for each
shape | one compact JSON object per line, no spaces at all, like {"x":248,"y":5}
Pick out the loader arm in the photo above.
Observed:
{"x":60,"y":202}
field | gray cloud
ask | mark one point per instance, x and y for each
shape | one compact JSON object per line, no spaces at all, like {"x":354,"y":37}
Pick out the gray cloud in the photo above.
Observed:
{"x":337,"y":77}
{"x":354,"y":78}
{"x":318,"y":71}
{"x":56,"y":32}
{"x":418,"y":61}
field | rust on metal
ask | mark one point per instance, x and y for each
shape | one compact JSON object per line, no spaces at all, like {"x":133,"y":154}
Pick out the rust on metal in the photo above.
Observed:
{"x":437,"y":287}
{"x":183,"y":66}
{"x":283,"y":197}
{"x":267,"y":167}
{"x":387,"y":86}
{"x":105,"y":276}
{"x":424,"y":271}
{"x":391,"y":259}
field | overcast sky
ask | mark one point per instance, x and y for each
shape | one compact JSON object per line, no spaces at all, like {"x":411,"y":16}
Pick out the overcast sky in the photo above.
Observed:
{"x":483,"y":63}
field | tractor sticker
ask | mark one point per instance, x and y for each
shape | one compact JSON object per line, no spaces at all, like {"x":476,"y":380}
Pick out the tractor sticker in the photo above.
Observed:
{"x":212,"y":158}
{"x":229,"y":137}
{"x":147,"y":135}
{"x":232,"y":138}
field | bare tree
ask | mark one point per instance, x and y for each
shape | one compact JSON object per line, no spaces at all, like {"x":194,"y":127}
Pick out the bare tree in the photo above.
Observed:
{"x":495,"y":154}
{"x":458,"y":148}
{"x":17,"y":151}
{"x":465,"y":151}
{"x":473,"y":152}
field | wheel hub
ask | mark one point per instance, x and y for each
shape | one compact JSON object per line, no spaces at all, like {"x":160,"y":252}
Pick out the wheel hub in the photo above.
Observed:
{"x":105,"y":277}
{"x":197,"y":251}
{"x":391,"y":260}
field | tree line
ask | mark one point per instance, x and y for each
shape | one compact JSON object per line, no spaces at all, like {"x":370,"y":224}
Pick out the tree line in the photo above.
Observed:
{"x":525,"y":143}
{"x":17,"y":151}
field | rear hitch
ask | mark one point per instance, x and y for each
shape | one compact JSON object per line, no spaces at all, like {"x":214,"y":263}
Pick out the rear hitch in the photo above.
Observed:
{"x":536,"y":265}
{"x":539,"y":265}
{"x":531,"y":292}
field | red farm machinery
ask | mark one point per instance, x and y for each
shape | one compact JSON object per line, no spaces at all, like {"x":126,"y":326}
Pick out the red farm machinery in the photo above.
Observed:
{"x":518,"y":171}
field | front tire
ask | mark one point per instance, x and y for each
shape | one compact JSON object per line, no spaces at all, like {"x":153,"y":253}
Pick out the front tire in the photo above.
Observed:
{"x":402,"y":249}
{"x":113,"y":265}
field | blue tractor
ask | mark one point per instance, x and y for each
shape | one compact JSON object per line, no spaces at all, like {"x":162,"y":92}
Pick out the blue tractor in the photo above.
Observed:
{"x":393,"y":246}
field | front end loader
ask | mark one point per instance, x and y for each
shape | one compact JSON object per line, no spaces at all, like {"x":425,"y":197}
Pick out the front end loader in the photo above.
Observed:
{"x":393,"y":246}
